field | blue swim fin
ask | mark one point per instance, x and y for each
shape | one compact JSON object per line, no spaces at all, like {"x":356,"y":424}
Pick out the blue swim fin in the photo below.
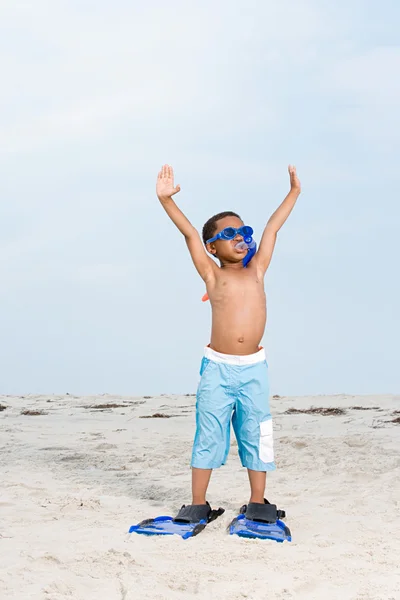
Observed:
{"x":261,"y":521}
{"x":189,"y":521}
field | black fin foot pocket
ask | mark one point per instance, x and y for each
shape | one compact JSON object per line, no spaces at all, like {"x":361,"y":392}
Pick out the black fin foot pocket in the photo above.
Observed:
{"x":263,"y":513}
{"x":194,"y":513}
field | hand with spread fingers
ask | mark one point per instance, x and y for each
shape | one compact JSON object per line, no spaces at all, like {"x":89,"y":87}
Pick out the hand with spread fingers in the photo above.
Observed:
{"x":165,"y":183}
{"x":294,"y":180}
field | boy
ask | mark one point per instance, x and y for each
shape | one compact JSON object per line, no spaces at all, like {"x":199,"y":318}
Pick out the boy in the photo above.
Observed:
{"x":234,"y":372}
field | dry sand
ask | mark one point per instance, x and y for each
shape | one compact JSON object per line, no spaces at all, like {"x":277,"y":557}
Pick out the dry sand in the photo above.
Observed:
{"x":74,"y":478}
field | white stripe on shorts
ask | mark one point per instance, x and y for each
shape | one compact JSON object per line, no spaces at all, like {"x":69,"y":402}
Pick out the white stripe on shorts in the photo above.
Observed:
{"x":233,"y":359}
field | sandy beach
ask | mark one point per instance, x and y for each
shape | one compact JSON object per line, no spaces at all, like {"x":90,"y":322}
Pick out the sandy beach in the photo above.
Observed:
{"x":77,"y":472}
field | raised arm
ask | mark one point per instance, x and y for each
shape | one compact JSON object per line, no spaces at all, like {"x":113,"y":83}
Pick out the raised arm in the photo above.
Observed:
{"x":165,"y":190}
{"x":267,"y":243}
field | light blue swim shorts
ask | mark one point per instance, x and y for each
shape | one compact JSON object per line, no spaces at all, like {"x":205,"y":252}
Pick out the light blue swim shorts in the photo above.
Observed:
{"x":233,"y":388}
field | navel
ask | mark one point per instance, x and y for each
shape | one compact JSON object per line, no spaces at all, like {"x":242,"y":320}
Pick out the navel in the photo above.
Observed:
{"x":241,"y":340}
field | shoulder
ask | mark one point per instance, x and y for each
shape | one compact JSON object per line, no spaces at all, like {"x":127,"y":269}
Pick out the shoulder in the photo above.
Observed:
{"x":212,"y":272}
{"x":255,"y":266}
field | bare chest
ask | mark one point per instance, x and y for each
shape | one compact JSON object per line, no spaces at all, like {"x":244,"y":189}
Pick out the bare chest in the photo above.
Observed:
{"x":231,"y":286}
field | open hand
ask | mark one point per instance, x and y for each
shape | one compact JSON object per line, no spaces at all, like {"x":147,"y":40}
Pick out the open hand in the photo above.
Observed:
{"x":295,"y":184}
{"x":165,"y":183}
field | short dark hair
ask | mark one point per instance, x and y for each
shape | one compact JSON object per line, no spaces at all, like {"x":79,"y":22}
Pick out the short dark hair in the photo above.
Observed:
{"x":211,"y":225}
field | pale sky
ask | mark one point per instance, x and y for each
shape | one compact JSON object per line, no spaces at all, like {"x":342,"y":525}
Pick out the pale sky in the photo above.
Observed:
{"x":98,"y":292}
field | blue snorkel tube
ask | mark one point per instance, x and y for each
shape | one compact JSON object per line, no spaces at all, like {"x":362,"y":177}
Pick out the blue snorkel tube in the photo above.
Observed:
{"x":251,"y":249}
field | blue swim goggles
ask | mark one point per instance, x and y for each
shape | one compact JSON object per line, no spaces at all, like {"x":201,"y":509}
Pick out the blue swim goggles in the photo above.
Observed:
{"x":229,"y":233}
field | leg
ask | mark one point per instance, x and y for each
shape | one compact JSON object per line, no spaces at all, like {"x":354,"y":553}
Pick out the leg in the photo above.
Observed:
{"x":200,"y":481}
{"x":253,"y":428}
{"x":211,"y":443}
{"x":257,"y":485}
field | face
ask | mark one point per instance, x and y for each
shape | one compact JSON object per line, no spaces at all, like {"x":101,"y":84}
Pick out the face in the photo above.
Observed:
{"x":225,"y":249}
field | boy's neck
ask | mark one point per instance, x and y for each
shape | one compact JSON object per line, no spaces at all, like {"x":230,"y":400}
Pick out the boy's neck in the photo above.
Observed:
{"x":238,"y":266}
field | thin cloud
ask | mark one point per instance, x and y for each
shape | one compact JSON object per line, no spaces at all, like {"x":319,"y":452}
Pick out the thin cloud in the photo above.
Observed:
{"x":96,"y":96}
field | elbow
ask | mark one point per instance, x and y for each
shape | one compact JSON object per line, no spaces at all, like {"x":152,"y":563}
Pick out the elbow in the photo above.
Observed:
{"x":272,"y":228}
{"x":190,"y":233}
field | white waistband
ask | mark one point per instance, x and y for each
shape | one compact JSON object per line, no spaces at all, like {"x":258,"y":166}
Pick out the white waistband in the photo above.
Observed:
{"x":233,"y":359}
